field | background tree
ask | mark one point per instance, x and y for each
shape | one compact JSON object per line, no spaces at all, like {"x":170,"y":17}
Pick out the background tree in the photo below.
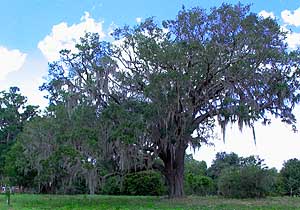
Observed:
{"x":196,"y":180}
{"x":291,"y":177}
{"x":194,"y":166}
{"x":222,"y":161}
{"x":18,"y":169}
{"x":247,"y":179}
{"x":14,"y":113}
{"x":64,"y":148}
{"x":246,"y":182}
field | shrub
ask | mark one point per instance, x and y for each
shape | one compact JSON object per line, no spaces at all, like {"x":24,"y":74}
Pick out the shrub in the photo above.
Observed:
{"x":143,"y":183}
{"x":246,"y":182}
{"x":198,"y":184}
{"x":112,"y":186}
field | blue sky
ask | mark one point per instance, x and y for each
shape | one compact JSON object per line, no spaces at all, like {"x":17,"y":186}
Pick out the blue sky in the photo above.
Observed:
{"x":24,"y":23}
{"x":33,"y":32}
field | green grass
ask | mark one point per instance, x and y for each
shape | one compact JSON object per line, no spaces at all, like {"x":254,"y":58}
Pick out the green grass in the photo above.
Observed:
{"x":86,"y":202}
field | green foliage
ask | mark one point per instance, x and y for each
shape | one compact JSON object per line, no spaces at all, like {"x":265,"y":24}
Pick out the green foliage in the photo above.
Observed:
{"x":195,"y":180}
{"x":143,"y":183}
{"x":222,"y":161}
{"x":246,"y":182}
{"x":194,"y":166}
{"x":127,"y":120}
{"x":64,"y":149}
{"x":14,"y":114}
{"x":278,"y":187}
{"x":112,"y":186}
{"x":79,"y":186}
{"x":291,"y":177}
{"x":243,"y":177}
{"x":17,"y":167}
{"x":198,"y":184}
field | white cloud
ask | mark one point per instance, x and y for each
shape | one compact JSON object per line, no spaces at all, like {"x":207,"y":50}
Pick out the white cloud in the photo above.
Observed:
{"x":63,"y":36}
{"x":138,"y":19}
{"x":292,"y":38}
{"x":291,"y":18}
{"x":266,"y":14}
{"x":10,"y":61}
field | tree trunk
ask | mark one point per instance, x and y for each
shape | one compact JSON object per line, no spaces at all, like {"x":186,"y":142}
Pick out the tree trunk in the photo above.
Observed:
{"x":175,"y":183}
{"x":92,"y":180}
{"x":174,"y":171}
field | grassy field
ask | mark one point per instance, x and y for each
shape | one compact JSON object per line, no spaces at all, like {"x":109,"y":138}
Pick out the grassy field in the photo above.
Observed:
{"x":83,"y":202}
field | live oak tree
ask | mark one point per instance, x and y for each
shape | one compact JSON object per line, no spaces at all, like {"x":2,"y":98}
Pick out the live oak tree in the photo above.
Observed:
{"x":63,"y":151}
{"x":179,"y":81}
{"x":83,"y":80}
{"x":227,"y":65}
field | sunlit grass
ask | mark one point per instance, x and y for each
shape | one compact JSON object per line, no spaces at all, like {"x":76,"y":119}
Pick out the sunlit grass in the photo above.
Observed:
{"x":86,"y":202}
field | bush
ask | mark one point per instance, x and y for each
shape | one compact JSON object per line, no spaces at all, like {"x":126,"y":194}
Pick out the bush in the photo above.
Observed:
{"x":143,"y":183}
{"x":112,"y":186}
{"x":246,"y":182}
{"x":198,"y":184}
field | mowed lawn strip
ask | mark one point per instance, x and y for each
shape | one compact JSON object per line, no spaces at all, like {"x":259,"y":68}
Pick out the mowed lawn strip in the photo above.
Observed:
{"x":99,"y":202}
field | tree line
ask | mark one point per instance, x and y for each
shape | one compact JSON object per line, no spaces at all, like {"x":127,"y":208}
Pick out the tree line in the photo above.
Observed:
{"x":56,"y":153}
{"x":62,"y":152}
{"x":136,"y":103}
